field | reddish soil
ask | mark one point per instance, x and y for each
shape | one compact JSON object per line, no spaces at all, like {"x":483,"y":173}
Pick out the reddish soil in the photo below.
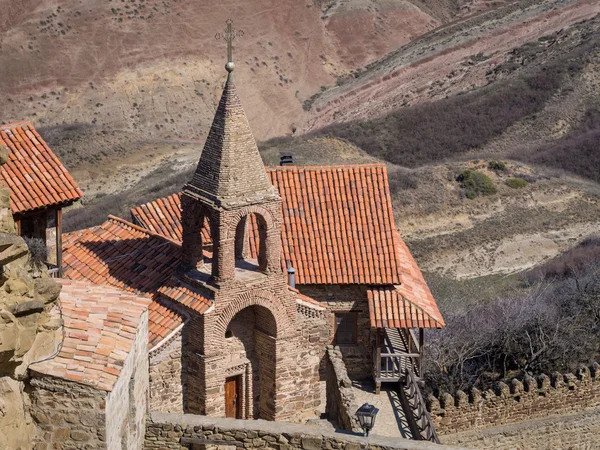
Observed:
{"x":435,"y":67}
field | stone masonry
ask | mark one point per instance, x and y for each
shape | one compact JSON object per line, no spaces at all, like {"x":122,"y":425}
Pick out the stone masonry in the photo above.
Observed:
{"x":170,"y":431}
{"x":517,"y":401}
{"x":341,"y":406}
{"x":251,"y":333}
{"x":348,"y":298}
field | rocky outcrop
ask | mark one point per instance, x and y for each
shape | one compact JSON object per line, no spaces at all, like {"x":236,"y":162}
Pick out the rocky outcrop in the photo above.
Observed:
{"x":27,"y":332}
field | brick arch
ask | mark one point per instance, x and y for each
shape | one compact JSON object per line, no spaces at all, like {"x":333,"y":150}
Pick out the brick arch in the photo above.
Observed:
{"x":243,"y":301}
{"x":266,"y":215}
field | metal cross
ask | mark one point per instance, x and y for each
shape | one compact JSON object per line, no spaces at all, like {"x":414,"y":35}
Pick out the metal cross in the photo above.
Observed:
{"x":229,"y":35}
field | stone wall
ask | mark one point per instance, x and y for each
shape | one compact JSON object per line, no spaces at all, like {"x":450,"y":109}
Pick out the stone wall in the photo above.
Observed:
{"x":517,"y":401}
{"x":127,"y":404}
{"x":348,"y":298}
{"x":167,"y":431}
{"x":67,"y":414}
{"x":575,"y":432}
{"x":341,"y":406}
{"x":166,"y":383}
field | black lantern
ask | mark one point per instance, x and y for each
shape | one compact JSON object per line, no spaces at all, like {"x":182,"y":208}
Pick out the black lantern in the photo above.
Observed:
{"x":366,"y":416}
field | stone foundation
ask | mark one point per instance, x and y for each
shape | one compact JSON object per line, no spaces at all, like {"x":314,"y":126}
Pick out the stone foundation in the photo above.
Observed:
{"x":68,"y":414}
{"x":520,"y":401}
{"x":169,"y":431}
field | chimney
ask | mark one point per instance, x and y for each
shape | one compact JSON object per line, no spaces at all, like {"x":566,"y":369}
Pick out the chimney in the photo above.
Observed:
{"x":291,"y":277}
{"x":286,"y":159}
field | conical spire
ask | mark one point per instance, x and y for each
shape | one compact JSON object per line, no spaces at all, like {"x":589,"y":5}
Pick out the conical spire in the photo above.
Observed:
{"x":230,"y":172}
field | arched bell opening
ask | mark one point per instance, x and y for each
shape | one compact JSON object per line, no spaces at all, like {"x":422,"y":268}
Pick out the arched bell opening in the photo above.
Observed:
{"x":251,"y":243}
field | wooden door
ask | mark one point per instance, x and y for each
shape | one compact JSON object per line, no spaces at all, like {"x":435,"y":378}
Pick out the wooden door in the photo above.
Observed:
{"x":232,"y":398}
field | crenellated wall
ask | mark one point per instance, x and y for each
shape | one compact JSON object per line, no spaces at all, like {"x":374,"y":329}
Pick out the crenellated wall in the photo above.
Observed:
{"x":517,"y":401}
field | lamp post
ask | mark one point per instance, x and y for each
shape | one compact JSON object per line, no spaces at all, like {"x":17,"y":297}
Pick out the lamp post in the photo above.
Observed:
{"x":366,"y":417}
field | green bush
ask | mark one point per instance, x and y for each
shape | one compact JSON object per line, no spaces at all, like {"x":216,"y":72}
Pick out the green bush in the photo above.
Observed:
{"x":497,"y":166}
{"x":516,"y":182}
{"x":476,"y":183}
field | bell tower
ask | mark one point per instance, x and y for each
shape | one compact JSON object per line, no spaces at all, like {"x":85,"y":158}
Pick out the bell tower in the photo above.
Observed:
{"x":230,"y":184}
{"x":249,"y":337}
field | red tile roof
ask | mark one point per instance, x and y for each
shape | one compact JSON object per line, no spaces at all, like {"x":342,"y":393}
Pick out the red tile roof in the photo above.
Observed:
{"x":100,"y":326}
{"x":121,"y":254}
{"x":35,"y":176}
{"x":338,"y":224}
{"x":128,"y":257}
{"x":176,"y":291}
{"x":407,"y":305}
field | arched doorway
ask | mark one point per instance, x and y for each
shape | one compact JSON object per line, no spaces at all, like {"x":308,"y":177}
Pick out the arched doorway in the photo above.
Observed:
{"x":249,"y":360}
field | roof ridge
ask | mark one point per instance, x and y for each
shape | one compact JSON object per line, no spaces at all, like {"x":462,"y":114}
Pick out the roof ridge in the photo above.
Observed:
{"x":140,"y":229}
{"x":325,"y":166}
{"x":15,"y":124}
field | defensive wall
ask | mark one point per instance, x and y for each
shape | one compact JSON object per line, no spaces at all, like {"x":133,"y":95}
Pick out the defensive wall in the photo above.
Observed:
{"x":517,"y":401}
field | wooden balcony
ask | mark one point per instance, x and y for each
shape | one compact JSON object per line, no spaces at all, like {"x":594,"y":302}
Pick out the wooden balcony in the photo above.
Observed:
{"x":396,"y":351}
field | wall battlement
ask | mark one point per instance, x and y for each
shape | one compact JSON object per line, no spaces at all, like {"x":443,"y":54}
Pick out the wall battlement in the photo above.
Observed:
{"x":517,"y":401}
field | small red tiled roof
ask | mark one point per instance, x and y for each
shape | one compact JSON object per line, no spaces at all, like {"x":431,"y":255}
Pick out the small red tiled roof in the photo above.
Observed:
{"x":35,"y":176}
{"x":100,"y":326}
{"x":407,"y":305}
{"x":123,"y":255}
{"x":338,"y":224}
{"x":301,"y":298}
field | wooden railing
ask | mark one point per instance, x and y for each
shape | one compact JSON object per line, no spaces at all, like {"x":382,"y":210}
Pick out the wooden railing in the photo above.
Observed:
{"x":391,"y":367}
{"x":421,"y":416}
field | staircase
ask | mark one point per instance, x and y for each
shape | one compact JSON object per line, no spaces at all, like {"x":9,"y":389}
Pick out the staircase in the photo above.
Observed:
{"x":415,"y":410}
{"x":400,"y":363}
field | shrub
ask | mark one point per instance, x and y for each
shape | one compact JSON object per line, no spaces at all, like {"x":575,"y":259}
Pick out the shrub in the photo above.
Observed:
{"x":38,"y":252}
{"x":540,"y":329}
{"x":476,"y":183}
{"x":497,"y":166}
{"x":516,"y":182}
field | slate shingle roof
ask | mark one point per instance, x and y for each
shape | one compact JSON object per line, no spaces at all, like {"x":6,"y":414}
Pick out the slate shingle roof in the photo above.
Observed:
{"x":35,"y":176}
{"x":100,"y":325}
{"x":338,"y":224}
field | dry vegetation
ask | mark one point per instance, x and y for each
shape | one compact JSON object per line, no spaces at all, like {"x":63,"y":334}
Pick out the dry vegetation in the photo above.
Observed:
{"x":547,"y":320}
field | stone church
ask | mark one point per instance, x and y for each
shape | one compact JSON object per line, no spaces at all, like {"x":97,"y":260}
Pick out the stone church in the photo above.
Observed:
{"x":252,"y":272}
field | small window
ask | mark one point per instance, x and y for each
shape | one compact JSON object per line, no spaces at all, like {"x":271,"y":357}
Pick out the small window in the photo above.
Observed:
{"x":228,"y":334}
{"x":345,"y":328}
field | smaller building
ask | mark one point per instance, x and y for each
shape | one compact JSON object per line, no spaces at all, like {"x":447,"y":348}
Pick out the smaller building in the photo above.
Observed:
{"x":93,"y":392}
{"x":40,"y":187}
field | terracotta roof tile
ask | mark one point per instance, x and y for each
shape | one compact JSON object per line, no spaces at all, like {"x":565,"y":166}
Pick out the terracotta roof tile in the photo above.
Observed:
{"x":35,"y":176}
{"x":407,"y":305}
{"x":338,"y":224}
{"x":100,"y":324}
{"x":128,"y":257}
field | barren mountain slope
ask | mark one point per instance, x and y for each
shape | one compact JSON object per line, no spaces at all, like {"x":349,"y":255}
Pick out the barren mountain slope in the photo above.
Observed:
{"x":452,"y":59}
{"x":153,"y":67}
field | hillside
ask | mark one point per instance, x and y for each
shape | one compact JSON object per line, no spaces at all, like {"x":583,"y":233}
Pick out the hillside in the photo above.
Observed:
{"x":479,"y":80}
